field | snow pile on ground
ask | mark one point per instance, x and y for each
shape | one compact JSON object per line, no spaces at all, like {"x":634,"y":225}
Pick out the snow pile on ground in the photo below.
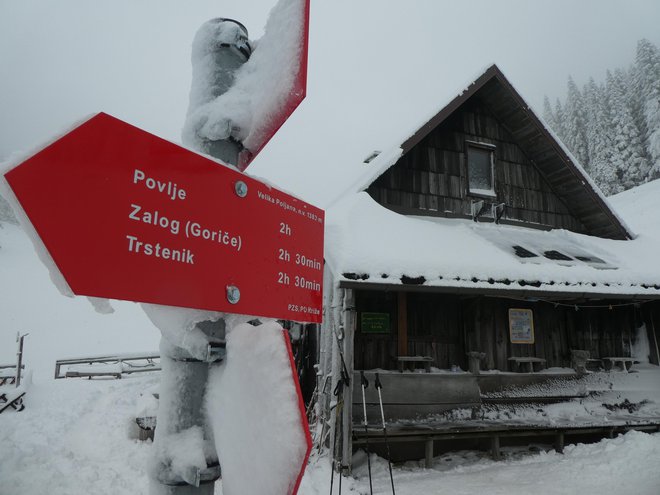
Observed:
{"x":78,"y":436}
{"x":59,"y":327}
{"x":74,"y":436}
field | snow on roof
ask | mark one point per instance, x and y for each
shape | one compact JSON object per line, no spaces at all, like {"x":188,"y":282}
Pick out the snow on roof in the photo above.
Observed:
{"x":639,"y":206}
{"x":364,"y":176}
{"x":367,"y":243}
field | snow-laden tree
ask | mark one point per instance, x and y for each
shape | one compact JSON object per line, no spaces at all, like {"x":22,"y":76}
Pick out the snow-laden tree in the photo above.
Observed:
{"x":560,"y":118}
{"x":614,"y":129}
{"x":630,"y":165}
{"x":548,"y":114}
{"x":575,"y":125}
{"x":646,"y":89}
{"x":599,"y":142}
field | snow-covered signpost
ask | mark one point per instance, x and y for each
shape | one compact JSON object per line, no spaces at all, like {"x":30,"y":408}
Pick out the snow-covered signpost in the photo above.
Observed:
{"x":118,"y":213}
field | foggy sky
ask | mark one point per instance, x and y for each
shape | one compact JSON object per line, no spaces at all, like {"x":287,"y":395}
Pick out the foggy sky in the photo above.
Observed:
{"x":377,"y":67}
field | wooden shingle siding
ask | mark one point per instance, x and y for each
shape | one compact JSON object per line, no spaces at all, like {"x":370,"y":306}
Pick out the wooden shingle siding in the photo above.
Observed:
{"x":445,"y":327}
{"x":432,"y":177}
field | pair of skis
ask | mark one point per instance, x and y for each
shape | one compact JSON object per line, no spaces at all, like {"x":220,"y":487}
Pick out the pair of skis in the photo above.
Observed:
{"x":379,"y":386}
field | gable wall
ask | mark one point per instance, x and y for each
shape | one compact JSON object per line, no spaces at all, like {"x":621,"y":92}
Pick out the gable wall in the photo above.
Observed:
{"x":431,"y":177}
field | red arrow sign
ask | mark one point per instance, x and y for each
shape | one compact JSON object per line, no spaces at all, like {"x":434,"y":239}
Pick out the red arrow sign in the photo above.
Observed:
{"x":127,"y":215}
{"x":292,"y":97}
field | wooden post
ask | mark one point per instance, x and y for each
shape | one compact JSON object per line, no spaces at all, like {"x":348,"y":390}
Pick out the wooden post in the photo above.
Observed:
{"x":402,"y":337}
{"x":655,"y":338}
{"x":349,"y":322}
{"x":559,"y":446}
{"x":428,"y":454}
{"x":495,"y":447}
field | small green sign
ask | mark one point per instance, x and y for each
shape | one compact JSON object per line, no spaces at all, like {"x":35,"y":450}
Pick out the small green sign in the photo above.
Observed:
{"x":375,"y":322}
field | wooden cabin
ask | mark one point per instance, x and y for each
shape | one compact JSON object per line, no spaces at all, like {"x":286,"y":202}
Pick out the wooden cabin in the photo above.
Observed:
{"x":477,"y":244}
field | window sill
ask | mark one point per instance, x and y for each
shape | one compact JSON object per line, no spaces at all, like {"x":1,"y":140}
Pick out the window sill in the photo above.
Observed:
{"x":482,"y":193}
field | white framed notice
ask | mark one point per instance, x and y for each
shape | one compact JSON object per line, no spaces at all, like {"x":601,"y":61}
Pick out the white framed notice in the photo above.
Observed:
{"x":521,"y":326}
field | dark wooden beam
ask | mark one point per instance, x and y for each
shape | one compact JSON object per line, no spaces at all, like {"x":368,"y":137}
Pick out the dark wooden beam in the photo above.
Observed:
{"x":511,"y":291}
{"x":402,"y":337}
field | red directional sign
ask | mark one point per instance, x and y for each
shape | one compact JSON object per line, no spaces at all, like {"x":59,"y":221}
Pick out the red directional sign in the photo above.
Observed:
{"x":292,"y":97}
{"x":127,"y":215}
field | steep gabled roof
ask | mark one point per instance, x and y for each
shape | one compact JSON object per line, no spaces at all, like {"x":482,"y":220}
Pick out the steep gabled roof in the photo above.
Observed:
{"x":541,"y":146}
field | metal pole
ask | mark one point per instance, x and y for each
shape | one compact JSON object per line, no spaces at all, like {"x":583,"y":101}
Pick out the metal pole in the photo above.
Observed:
{"x":19,"y":354}
{"x":221,"y":46}
{"x":181,"y":407}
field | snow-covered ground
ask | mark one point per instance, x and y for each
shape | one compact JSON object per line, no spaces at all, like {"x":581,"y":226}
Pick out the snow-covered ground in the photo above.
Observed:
{"x":77,"y":437}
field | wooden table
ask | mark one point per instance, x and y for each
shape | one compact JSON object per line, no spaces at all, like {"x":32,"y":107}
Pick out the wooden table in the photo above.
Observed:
{"x":624,"y":363}
{"x":529,"y":362}
{"x":411,"y":360}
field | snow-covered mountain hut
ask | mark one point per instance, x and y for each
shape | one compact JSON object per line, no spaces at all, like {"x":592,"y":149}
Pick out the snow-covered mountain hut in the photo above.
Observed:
{"x":476,"y":243}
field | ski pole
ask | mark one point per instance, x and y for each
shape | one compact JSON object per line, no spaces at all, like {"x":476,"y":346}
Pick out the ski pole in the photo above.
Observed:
{"x":339,"y":393}
{"x":365,"y":384}
{"x":379,"y":386}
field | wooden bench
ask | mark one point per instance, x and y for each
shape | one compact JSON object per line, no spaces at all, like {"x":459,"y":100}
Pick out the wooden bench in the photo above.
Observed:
{"x":623,"y":363}
{"x":410,"y":361}
{"x":113,"y":365}
{"x":7,"y":379}
{"x":529,"y":362}
{"x":8,"y":374}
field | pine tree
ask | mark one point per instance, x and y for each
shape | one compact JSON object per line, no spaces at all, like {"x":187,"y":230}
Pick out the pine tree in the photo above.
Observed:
{"x":614,"y":129}
{"x":598,"y":138}
{"x":630,"y":166}
{"x":560,"y":128}
{"x":548,"y":115}
{"x":646,"y":88}
{"x":575,"y":126}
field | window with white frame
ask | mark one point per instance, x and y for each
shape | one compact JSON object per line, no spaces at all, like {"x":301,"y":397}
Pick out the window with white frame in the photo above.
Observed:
{"x":481,"y":169}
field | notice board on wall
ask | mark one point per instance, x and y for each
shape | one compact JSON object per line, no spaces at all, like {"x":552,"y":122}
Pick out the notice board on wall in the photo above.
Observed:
{"x":521,"y":326}
{"x":375,"y":322}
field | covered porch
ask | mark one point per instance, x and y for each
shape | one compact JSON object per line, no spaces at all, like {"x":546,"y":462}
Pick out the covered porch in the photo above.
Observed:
{"x":431,"y":407}
{"x":500,"y":328}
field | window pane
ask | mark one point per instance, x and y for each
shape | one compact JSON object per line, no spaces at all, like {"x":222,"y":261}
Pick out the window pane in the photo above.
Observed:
{"x":480,"y":169}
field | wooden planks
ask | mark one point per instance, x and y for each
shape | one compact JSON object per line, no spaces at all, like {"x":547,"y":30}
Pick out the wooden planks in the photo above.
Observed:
{"x":432,"y":176}
{"x":446,"y":327}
